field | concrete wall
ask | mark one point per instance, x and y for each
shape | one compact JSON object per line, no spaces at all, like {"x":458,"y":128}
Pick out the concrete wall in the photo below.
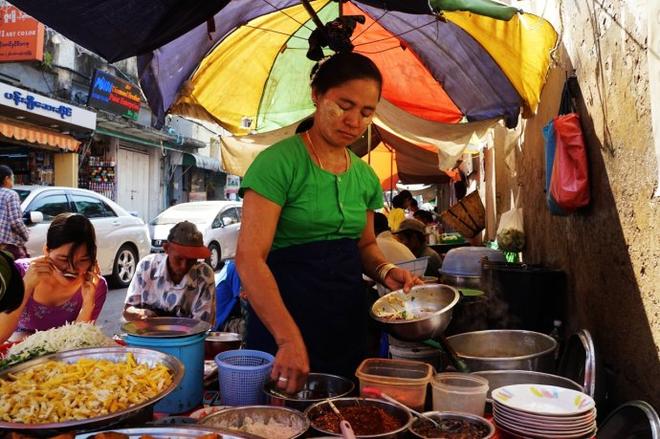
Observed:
{"x":611,"y":250}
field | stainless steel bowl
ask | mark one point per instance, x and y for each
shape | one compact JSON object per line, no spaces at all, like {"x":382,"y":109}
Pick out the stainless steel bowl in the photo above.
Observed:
{"x":437,"y":299}
{"x":232,"y":419}
{"x":398,"y":412}
{"x":500,"y":378}
{"x":318,"y":387}
{"x":189,"y":431}
{"x":115,"y":354}
{"x":505,"y":349}
{"x":441,"y":416}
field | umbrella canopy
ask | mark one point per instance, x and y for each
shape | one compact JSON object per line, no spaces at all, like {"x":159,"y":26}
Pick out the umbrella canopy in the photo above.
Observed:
{"x":383,"y":161}
{"x":254,"y":74}
{"x":118,"y":29}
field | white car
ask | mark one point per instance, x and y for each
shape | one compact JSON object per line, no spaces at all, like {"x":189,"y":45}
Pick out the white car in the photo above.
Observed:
{"x":219,"y":222}
{"x":121,"y":238}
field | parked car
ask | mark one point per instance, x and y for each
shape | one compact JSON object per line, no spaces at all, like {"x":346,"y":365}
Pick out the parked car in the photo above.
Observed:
{"x":219,"y":222}
{"x":121,"y":238}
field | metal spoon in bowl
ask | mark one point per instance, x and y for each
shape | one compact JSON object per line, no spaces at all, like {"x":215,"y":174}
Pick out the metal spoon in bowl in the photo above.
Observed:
{"x":374,"y":392}
{"x":345,"y":427}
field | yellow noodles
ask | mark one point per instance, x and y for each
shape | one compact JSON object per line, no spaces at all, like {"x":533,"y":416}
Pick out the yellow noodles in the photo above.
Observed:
{"x":57,"y":391}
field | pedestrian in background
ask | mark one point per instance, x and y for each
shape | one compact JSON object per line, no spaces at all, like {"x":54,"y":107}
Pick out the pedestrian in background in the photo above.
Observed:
{"x":13,"y":233}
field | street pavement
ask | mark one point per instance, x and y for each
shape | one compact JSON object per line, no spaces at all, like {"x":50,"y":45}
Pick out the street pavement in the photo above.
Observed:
{"x":110,"y":317}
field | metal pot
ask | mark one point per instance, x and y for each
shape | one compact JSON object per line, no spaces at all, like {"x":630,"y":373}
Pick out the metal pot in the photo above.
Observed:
{"x":460,"y":281}
{"x":501,"y":378}
{"x":217,"y":342}
{"x":435,"y":300}
{"x":318,"y":387}
{"x":398,"y":412}
{"x":505,"y":350}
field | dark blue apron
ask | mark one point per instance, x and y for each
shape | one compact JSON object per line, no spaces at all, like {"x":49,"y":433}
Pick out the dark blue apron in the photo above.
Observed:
{"x":321,"y":286}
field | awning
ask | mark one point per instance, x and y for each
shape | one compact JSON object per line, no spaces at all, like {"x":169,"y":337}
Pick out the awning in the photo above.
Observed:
{"x":35,"y":134}
{"x":201,"y":161}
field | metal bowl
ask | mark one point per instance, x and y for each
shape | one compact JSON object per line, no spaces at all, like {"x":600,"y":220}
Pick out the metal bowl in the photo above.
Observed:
{"x":500,"y":378}
{"x":318,"y":387}
{"x":398,"y":412}
{"x":189,"y":431}
{"x":441,"y":416}
{"x":232,"y":419}
{"x":435,"y":299}
{"x":115,"y":354}
{"x":505,"y":349}
{"x":165,"y":327}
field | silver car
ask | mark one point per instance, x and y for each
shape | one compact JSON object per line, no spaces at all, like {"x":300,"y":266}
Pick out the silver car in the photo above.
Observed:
{"x":121,"y":238}
{"x":219,"y":222}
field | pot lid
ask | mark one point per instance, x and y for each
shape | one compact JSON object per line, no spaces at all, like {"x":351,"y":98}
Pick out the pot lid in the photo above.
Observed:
{"x":166,"y":327}
{"x":466,"y":261}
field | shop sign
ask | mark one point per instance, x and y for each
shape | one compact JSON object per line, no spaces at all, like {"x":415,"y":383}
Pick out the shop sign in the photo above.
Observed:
{"x":21,"y":36}
{"x":115,"y":95}
{"x":34,"y":103}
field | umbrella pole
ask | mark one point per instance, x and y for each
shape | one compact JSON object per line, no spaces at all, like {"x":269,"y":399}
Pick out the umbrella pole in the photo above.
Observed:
{"x":312,"y":13}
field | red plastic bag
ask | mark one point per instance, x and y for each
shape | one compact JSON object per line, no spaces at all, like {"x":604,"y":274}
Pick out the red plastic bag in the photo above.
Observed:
{"x":569,"y":185}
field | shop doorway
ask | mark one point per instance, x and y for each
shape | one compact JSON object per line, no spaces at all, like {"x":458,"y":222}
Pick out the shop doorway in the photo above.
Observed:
{"x":133,"y":182}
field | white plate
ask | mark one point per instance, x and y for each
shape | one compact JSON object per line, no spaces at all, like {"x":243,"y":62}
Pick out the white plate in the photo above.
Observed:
{"x":543,"y":399}
{"x":517,"y":434}
{"x":545,"y":431}
{"x":588,"y":416}
{"x":542,"y":424}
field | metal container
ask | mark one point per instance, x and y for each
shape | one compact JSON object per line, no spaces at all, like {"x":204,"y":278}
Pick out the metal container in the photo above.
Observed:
{"x":460,"y":281}
{"x":442,"y":416}
{"x":116,"y":354}
{"x":505,"y":350}
{"x":217,"y":342}
{"x":232,"y":419}
{"x":189,"y":431}
{"x":318,"y":387}
{"x":434,"y":301}
{"x":501,"y":378}
{"x":165,"y":327}
{"x":398,"y":412}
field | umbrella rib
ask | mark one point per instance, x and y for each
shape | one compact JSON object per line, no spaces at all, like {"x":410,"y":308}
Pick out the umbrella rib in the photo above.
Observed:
{"x":273,"y":31}
{"x":288,"y":15}
{"x":396,"y":35}
{"x":369,"y":27}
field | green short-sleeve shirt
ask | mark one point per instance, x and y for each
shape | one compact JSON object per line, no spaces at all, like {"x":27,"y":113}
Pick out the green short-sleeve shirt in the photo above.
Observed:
{"x":316,"y":205}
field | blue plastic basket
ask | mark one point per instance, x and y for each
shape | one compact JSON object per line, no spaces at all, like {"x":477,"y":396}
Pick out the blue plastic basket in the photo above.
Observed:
{"x":242,"y":374}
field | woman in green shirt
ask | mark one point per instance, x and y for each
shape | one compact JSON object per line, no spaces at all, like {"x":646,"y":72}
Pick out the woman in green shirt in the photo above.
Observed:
{"x":307,"y":232}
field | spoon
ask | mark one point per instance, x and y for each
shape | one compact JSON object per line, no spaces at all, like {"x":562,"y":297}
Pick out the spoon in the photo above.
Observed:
{"x":372,"y":391}
{"x":345,"y":427}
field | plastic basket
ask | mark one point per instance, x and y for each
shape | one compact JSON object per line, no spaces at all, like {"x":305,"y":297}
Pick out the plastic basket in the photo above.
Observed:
{"x":242,"y":374}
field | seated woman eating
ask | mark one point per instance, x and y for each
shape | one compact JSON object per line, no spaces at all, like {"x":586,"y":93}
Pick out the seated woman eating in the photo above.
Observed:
{"x":64,"y":285}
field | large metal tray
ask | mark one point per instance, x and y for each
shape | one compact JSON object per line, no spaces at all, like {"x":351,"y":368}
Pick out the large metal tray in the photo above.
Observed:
{"x":165,"y":327}
{"x":173,"y":433}
{"x":115,"y":354}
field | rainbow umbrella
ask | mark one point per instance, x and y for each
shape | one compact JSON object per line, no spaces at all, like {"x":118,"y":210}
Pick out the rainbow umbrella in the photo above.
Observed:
{"x":448,"y":67}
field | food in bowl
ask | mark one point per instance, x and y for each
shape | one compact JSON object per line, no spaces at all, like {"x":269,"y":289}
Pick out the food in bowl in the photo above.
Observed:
{"x":401,"y":307}
{"x":265,"y":421}
{"x":450,"y":429}
{"x":364,"y":419}
{"x":57,"y":391}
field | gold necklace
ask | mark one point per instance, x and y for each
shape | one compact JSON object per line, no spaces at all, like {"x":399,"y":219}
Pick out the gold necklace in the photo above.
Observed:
{"x":318,"y":159}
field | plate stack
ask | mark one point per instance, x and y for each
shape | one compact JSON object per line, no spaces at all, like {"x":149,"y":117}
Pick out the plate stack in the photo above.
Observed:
{"x":543,"y":411}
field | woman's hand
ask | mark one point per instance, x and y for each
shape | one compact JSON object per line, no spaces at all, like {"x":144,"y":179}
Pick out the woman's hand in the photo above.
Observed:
{"x":398,"y":278}
{"x":291,"y":366}
{"x":39,"y":270}
{"x":90,"y":282}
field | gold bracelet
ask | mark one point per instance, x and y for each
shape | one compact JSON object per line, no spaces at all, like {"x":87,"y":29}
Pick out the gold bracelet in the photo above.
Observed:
{"x":384,"y":271}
